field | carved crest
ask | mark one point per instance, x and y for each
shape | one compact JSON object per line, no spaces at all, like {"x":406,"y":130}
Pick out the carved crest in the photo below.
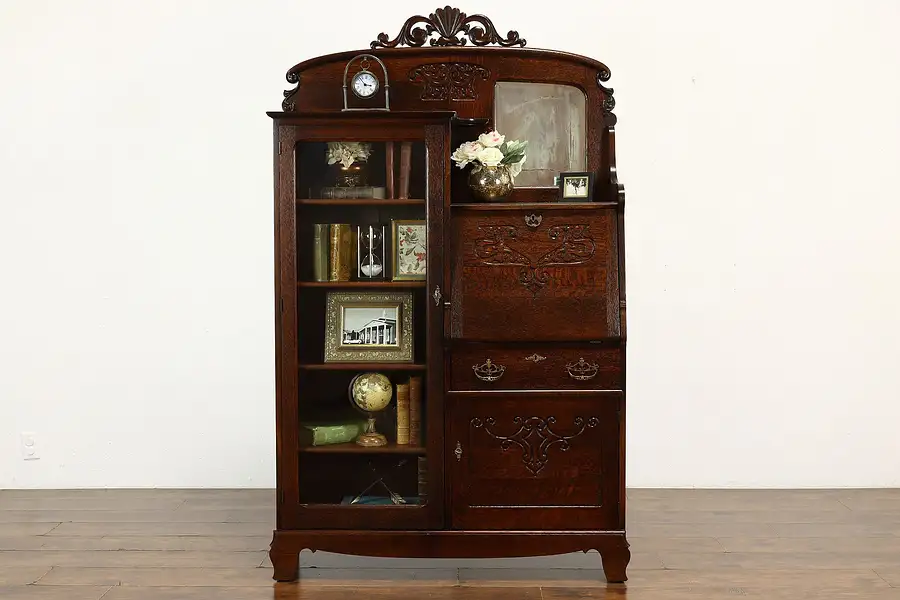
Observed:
{"x":452,"y":28}
{"x":575,"y":246}
{"x":534,"y":438}
{"x":448,"y":81}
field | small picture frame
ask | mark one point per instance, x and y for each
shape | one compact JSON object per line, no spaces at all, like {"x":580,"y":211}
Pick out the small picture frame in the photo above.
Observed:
{"x":369,"y":327}
{"x":409,"y":250}
{"x":576,"y":186}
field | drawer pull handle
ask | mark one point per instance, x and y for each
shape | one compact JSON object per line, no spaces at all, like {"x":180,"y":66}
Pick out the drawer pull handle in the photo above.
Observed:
{"x":582,"y":370}
{"x":489,"y":371}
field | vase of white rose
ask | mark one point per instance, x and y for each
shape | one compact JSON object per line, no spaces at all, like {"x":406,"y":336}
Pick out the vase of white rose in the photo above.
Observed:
{"x":351,"y":159}
{"x":496,"y":164}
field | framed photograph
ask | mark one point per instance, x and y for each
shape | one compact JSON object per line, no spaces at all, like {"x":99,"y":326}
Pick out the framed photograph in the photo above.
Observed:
{"x":369,"y":327}
{"x":409,"y":250}
{"x":576,"y":186}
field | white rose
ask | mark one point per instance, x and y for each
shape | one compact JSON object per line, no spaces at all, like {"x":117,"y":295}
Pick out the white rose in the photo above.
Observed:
{"x":490,"y":157}
{"x":471,"y":149}
{"x":491,"y":140}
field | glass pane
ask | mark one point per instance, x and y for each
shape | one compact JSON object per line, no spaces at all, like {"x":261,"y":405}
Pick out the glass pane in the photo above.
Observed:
{"x":552,"y":119}
{"x":361,"y":314}
{"x":360,"y":169}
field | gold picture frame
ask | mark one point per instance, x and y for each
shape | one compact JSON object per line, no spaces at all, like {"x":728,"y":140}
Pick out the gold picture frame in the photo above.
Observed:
{"x":369,"y":327}
{"x":409,"y":263}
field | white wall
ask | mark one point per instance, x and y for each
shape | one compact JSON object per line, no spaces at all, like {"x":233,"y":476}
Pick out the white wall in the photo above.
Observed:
{"x":758,"y":142}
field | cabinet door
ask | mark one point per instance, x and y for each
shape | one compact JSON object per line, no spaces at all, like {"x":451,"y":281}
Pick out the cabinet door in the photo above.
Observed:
{"x":534,"y":460}
{"x":543,"y":274}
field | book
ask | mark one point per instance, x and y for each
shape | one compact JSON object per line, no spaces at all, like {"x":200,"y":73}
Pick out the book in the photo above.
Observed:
{"x":389,"y":168}
{"x":340,"y":252}
{"x":320,"y":252}
{"x":422,"y":477}
{"x":415,"y":410}
{"x":405,"y":167}
{"x":323,"y":433}
{"x":402,"y":413}
{"x":363,"y":191}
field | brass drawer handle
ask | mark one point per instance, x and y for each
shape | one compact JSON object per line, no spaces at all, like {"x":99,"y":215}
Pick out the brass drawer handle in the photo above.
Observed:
{"x":489,"y":371}
{"x":582,"y":370}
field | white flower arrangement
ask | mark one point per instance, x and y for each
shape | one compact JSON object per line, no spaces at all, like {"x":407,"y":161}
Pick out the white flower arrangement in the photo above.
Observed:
{"x":490,"y":150}
{"x":347,"y":153}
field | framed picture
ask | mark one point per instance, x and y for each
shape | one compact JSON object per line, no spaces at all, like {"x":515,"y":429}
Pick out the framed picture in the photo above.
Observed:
{"x":369,"y":327}
{"x":576,"y":186}
{"x":409,"y":250}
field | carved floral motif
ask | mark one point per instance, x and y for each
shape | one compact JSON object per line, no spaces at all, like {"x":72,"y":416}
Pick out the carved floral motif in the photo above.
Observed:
{"x":449,"y":81}
{"x":575,"y":247}
{"x":534,"y":437}
{"x":452,"y":27}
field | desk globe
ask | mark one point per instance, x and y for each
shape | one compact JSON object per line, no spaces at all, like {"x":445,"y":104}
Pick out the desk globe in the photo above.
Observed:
{"x":369,"y":394}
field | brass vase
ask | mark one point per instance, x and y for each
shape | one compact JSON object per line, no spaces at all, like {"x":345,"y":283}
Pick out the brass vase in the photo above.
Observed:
{"x":490,"y":184}
{"x":352,"y":176}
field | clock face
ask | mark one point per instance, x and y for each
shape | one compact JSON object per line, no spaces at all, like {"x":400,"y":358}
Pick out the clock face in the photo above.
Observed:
{"x":365,"y":84}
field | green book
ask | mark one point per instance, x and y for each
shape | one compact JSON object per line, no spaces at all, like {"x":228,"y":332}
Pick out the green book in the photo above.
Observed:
{"x":322,"y":433}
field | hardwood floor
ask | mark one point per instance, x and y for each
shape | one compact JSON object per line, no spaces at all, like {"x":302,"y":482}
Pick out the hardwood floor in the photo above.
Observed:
{"x":211,"y":544}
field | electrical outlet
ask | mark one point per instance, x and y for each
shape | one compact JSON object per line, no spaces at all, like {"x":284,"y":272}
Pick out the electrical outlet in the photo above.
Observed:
{"x":29,"y":446}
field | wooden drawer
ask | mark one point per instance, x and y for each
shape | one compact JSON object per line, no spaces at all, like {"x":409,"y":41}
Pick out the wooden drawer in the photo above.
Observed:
{"x":487,"y":367}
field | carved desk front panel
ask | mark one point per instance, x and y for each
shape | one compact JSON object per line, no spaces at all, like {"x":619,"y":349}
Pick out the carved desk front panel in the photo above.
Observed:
{"x":545,"y":275}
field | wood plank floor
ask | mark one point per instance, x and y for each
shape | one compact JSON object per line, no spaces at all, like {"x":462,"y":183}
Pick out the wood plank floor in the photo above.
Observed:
{"x":211,"y":544}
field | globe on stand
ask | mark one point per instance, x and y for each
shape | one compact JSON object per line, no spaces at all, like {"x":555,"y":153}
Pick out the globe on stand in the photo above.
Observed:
{"x":370,"y":393}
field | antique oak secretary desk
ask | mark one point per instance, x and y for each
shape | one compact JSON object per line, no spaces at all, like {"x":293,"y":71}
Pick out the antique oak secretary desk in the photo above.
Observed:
{"x":515,"y":330}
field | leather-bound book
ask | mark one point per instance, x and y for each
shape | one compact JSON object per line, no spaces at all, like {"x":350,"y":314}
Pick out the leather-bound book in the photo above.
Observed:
{"x":320,"y":252}
{"x":415,"y":410}
{"x":402,"y":413}
{"x":389,"y":168}
{"x":405,"y":167}
{"x":422,"y":478}
{"x":341,"y":252}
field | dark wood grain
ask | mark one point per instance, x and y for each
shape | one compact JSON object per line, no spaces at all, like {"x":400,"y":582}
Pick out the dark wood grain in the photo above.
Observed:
{"x":554,"y":281}
{"x":534,"y":460}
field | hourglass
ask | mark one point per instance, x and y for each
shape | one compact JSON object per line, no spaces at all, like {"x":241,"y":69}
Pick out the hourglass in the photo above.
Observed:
{"x":370,"y":251}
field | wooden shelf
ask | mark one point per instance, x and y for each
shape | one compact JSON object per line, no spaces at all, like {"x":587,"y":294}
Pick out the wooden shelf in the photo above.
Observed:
{"x":362,"y":284}
{"x":360,"y":201}
{"x":354,"y":448}
{"x":362,"y":366}
{"x":531,"y":205}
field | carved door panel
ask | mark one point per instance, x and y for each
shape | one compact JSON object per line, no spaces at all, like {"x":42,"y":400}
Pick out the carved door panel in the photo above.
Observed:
{"x":547,"y":274}
{"x":534,"y":460}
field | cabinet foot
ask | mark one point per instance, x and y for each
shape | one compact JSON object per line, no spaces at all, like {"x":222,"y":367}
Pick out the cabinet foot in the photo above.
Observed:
{"x":615,"y":561}
{"x":285,"y":558}
{"x":286,"y":566}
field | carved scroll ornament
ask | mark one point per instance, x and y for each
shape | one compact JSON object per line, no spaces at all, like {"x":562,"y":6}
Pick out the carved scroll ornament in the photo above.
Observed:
{"x":452,"y":28}
{"x":535,"y":438}
{"x":575,"y":246}
{"x":449,"y":81}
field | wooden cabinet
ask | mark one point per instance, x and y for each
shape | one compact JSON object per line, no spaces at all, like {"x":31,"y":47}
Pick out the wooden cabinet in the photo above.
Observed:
{"x":506,"y":318}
